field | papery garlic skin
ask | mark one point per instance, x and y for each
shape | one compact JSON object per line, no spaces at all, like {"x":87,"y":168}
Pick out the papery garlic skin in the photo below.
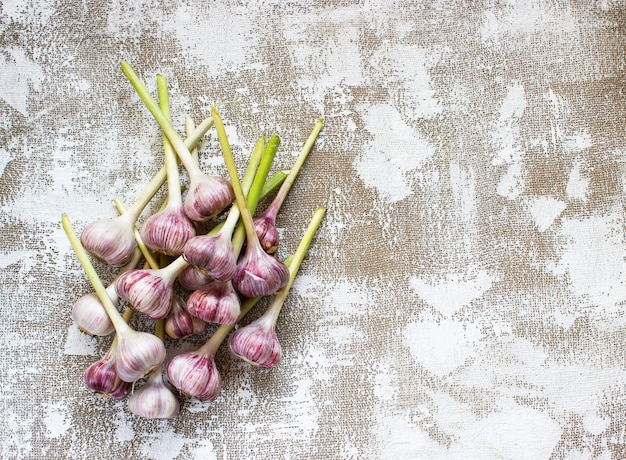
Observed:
{"x":102,"y":378}
{"x":257,"y":343}
{"x":111,"y":241}
{"x":267,"y":233}
{"x":259,"y":274}
{"x":180,"y":323}
{"x":147,"y":291}
{"x":90,"y":315}
{"x":207,"y":197}
{"x":192,"y":278}
{"x":195,"y":375}
{"x":137,"y":354}
{"x":212,"y":254}
{"x":154,"y":400}
{"x":216,"y":302}
{"x":167,"y":231}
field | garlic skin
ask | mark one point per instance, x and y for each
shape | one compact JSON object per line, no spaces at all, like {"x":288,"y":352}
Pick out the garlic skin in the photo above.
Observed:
{"x":212,"y":254}
{"x":216,"y":302}
{"x":259,"y":274}
{"x":111,"y":241}
{"x":207,"y":197}
{"x":137,"y":354}
{"x":167,"y":231}
{"x":180,"y":323}
{"x":193,"y":278}
{"x":257,"y":343}
{"x":147,"y":291}
{"x":266,"y":231}
{"x":196,"y":375}
{"x":154,"y":400}
{"x":90,"y":315}
{"x":101,"y":378}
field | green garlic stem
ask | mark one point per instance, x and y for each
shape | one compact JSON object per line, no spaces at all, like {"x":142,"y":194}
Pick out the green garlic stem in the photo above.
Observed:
{"x":259,"y":181}
{"x":159,"y":330}
{"x":246,"y":184}
{"x":128,"y":314}
{"x":177,"y":143}
{"x":189,"y":127}
{"x":142,"y":246}
{"x":275,"y":181}
{"x":298,"y":257}
{"x":118,"y":322}
{"x":254,"y":195}
{"x":240,"y":199}
{"x":295,"y":169}
{"x":174,"y":197}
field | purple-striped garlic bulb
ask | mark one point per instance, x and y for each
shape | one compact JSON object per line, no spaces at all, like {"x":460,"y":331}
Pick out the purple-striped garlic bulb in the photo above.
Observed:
{"x":137,"y":354}
{"x":195,"y":374}
{"x":216,"y":302}
{"x":101,"y":378}
{"x":180,"y":323}
{"x":154,"y":400}
{"x":259,"y":273}
{"x":193,"y":278}
{"x":150,"y":291}
{"x":257,"y":343}
{"x":212,"y":254}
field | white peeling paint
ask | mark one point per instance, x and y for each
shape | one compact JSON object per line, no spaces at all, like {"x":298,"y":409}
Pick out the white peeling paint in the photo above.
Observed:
{"x":441,"y":347}
{"x":78,"y":343}
{"x":18,"y":73}
{"x":577,"y":184}
{"x":544,"y":210}
{"x":593,"y":258}
{"x":450,"y":292}
{"x":57,"y":419}
{"x":395,"y":148}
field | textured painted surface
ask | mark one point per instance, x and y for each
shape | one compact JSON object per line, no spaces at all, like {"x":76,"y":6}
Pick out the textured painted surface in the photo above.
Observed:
{"x":465,"y":296}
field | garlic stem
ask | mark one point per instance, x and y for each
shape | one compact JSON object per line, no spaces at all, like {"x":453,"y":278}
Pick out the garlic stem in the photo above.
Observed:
{"x":177,"y":143}
{"x":259,"y":181}
{"x":240,"y":199}
{"x":246,"y":184}
{"x":159,"y":331}
{"x":174,"y":196}
{"x":298,"y":257}
{"x":295,"y":169}
{"x":118,"y":322}
{"x":256,"y":190}
{"x":142,"y":247}
{"x":189,"y":127}
{"x":275,"y":181}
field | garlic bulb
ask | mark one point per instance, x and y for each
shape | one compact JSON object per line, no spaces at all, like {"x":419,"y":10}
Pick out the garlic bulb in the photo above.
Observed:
{"x":259,"y":273}
{"x":150,"y":291}
{"x":256,"y":343}
{"x":180,"y":323}
{"x":90,"y":315}
{"x":195,"y":374}
{"x":137,"y":354}
{"x":111,"y":241}
{"x":216,"y":302}
{"x":154,"y":400}
{"x":101,"y":378}
{"x":167,"y":231}
{"x":212,"y":254}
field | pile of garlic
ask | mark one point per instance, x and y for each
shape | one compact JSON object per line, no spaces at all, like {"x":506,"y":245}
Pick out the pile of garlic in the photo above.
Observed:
{"x":222,"y":284}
